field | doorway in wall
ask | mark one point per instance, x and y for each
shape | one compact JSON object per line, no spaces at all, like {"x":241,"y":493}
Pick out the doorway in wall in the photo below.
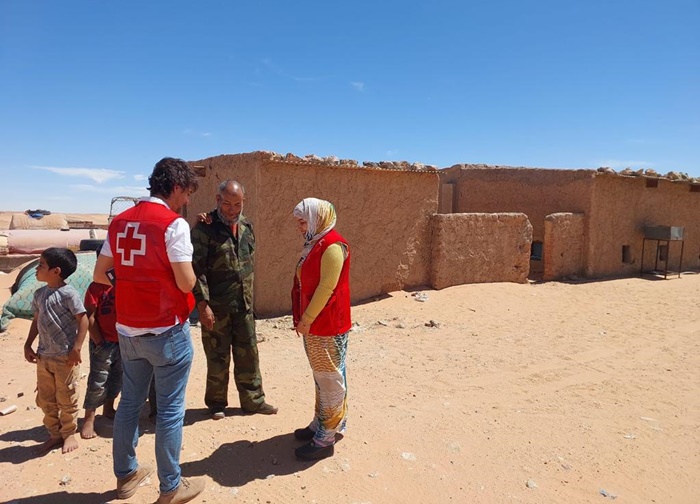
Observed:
{"x":536,"y":260}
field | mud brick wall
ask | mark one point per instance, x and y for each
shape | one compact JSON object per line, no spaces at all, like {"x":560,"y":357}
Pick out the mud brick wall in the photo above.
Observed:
{"x":564,"y":241}
{"x":480,"y":247}
{"x":384,"y":214}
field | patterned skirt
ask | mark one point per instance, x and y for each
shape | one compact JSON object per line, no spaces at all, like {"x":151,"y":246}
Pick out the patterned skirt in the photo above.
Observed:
{"x":327,"y":358}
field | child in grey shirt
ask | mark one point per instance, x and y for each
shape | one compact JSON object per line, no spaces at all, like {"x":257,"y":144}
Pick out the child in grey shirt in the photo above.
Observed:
{"x":61,"y":324}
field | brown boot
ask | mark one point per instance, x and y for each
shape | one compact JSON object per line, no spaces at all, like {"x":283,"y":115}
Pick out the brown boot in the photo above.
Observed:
{"x":126,"y":487}
{"x":185,"y":492}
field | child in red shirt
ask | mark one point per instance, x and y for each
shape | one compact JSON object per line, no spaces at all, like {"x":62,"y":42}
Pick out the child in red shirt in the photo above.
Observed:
{"x":105,"y":379}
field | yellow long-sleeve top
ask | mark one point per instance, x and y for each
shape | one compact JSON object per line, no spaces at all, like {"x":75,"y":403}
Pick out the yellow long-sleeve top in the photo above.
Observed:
{"x":331,"y":266}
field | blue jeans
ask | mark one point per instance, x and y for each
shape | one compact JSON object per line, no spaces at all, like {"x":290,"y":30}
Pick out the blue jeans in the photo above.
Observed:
{"x":169,"y":358}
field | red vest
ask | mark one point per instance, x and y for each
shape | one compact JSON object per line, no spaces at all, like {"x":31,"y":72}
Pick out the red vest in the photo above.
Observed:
{"x":148,"y":295}
{"x":334,"y":319}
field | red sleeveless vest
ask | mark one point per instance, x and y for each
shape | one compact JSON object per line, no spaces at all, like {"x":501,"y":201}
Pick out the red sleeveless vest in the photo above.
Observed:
{"x":147,"y":294}
{"x":334,"y":319}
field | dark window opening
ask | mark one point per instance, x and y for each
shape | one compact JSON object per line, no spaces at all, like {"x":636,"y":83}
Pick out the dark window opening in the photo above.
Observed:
{"x":536,"y":251}
{"x":626,"y":254}
{"x":652,"y":182}
{"x":694,"y":187}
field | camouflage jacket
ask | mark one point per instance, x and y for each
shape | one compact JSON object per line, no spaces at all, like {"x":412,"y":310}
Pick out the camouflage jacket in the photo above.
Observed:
{"x":224,"y":265}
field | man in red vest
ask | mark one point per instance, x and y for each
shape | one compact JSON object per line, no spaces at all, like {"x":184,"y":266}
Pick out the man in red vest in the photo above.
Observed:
{"x":149,"y":252}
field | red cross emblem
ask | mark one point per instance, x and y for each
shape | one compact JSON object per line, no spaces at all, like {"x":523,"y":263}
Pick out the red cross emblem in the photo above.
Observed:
{"x":130,"y":243}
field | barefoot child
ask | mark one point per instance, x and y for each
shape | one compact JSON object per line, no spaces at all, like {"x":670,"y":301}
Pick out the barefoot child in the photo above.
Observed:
{"x":61,"y":324}
{"x":105,"y":379}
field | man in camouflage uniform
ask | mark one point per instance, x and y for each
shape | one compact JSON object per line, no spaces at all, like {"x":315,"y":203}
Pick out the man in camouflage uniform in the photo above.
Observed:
{"x":224,"y":247}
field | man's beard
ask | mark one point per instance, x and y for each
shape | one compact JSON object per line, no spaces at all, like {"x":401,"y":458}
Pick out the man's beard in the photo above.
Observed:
{"x":225,"y":220}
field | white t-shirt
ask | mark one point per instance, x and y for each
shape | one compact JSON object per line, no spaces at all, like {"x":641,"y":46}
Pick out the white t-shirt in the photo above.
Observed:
{"x":179,"y":247}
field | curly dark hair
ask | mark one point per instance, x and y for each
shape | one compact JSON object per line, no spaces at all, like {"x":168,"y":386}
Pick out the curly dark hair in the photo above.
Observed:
{"x":61,"y":258}
{"x":168,"y":173}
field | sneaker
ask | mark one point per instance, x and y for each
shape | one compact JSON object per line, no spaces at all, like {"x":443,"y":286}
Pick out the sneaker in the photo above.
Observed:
{"x":311,"y":451}
{"x":219,"y":415}
{"x":126,"y":487}
{"x":304,"y":434}
{"x":185,"y":492}
{"x":264,"y":409}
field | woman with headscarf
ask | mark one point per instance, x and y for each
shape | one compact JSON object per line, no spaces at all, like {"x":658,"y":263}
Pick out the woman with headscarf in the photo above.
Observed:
{"x":321,"y":310}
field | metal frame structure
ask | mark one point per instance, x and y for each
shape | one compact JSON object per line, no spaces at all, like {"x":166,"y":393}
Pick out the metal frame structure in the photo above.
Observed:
{"x":668,"y":254}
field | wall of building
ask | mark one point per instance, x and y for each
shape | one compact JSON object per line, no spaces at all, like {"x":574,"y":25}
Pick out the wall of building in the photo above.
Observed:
{"x":532,"y":191}
{"x":564,"y":245}
{"x":622,"y":206}
{"x":478,"y":247}
{"x":616,"y":208}
{"x":446,"y":199}
{"x":384,"y":215}
{"x":387,"y":215}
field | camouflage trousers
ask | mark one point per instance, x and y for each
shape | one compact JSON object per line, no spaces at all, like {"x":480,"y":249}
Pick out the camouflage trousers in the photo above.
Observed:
{"x":233,"y":335}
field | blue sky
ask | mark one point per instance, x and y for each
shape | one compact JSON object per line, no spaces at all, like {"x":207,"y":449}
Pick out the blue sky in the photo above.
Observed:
{"x":92,"y":94}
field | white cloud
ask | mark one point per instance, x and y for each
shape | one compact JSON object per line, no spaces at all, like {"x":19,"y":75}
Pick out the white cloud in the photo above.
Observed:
{"x":139,"y":178}
{"x":620,"y":164}
{"x":99,"y":175}
{"x":358,"y":85}
{"x":392,"y":152}
{"x":191,"y":132}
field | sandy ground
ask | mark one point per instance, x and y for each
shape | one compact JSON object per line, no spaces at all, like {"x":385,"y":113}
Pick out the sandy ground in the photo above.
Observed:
{"x":536,"y":393}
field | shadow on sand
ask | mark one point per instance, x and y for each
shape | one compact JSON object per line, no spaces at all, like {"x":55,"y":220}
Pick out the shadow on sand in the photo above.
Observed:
{"x":20,"y":454}
{"x":194,"y":415}
{"x":68,"y":498}
{"x":263,"y":459}
{"x":37,"y":434}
